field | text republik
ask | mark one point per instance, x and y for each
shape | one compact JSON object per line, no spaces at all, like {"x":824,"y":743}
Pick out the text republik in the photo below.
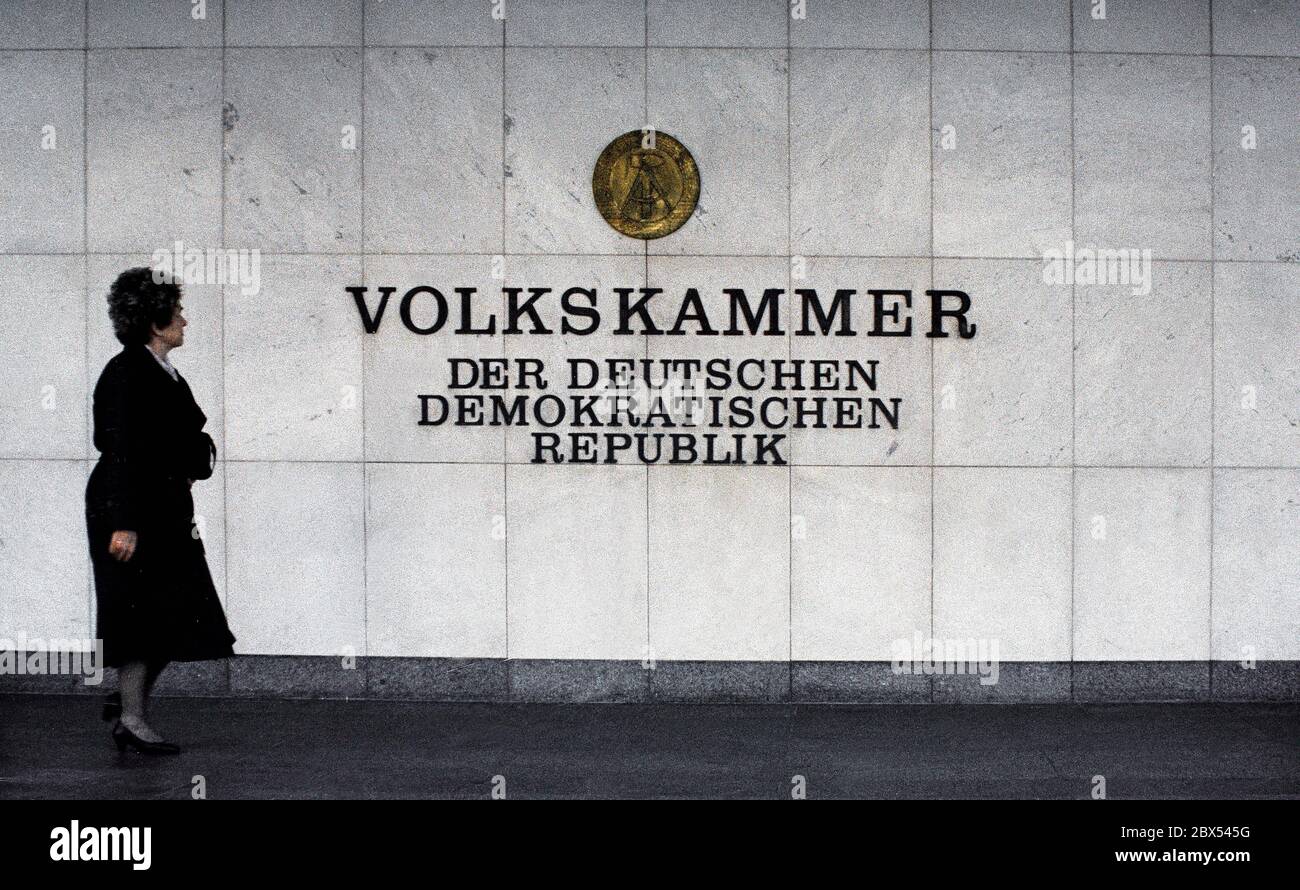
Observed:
{"x":578,"y":312}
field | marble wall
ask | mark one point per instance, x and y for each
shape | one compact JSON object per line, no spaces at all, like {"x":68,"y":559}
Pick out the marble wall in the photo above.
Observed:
{"x":1098,"y":476}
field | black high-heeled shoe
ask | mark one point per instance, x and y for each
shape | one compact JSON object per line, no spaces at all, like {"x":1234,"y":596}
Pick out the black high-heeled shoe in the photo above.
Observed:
{"x":112,"y":706}
{"x":125,"y":738}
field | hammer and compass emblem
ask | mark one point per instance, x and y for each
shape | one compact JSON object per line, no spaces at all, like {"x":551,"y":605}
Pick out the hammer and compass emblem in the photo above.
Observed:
{"x":646,"y":184}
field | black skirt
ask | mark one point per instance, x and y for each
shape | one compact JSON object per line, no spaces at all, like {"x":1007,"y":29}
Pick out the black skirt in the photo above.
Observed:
{"x":161,"y":604}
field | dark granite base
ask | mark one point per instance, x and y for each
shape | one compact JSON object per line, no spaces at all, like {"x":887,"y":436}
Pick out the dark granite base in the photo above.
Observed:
{"x":578,"y":680}
{"x":1267,"y":681}
{"x":863,"y":682}
{"x":297,"y":676}
{"x":50,"y":684}
{"x":1016,"y":681}
{"x":720,"y":681}
{"x":1150,"y":681}
{"x":439,"y":679}
{"x":193,"y":678}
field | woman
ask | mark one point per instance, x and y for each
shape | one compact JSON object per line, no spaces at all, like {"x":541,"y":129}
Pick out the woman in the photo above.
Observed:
{"x":155,"y":601}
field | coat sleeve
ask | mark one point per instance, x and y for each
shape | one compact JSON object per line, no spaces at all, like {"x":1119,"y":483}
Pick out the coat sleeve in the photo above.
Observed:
{"x":197,"y":453}
{"x":120,"y":432}
{"x":200,"y":456}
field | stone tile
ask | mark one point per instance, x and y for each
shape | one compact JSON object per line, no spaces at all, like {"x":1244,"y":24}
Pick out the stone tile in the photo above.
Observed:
{"x":296,"y":676}
{"x":293,"y":363}
{"x":435,"y":560}
{"x":578,"y":681}
{"x":293,"y":164}
{"x":860,"y":156}
{"x":88,"y":676}
{"x":1256,"y":329}
{"x":194,"y":678}
{"x":728,"y":107}
{"x":863,"y":24}
{"x":1142,"y":371}
{"x":1142,"y":174}
{"x":43,"y":24}
{"x":301,"y":23}
{"x":600,"y":274}
{"x":551,"y":148}
{"x":1151,"y":26}
{"x":43,"y":177}
{"x":720,"y":681}
{"x":154,"y":23}
{"x":148,"y":188}
{"x":433,"y":150}
{"x":719,"y":564}
{"x":43,"y":401}
{"x":199,"y":360}
{"x":1002,"y":561}
{"x":581,"y":23}
{"x":437,"y":23}
{"x":903,"y":369}
{"x":872,"y":682}
{"x":1256,"y":27}
{"x":296,"y":566}
{"x":577,"y":576}
{"x":716,"y":22}
{"x":401,"y":365}
{"x":37,"y":683}
{"x":1016,"y":682}
{"x":1003,"y":189}
{"x":1001,"y":24}
{"x":1267,"y":681}
{"x":1133,"y":681}
{"x":860,"y":561}
{"x":1256,"y":602}
{"x":1256,"y":201}
{"x":45,"y":567}
{"x":438,"y":679}
{"x":1003,"y":396}
{"x":1142,"y":565}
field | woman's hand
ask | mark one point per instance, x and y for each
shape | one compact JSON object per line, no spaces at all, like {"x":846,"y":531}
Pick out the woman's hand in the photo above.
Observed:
{"x":122,"y":545}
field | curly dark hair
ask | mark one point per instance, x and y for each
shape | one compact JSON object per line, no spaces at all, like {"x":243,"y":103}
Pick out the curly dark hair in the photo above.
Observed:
{"x":139,"y":298}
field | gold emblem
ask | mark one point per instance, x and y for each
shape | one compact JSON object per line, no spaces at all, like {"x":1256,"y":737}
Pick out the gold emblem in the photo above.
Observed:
{"x":646,"y":184}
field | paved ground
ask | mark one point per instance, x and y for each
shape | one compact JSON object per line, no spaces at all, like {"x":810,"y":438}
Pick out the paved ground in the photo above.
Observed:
{"x":55,"y":747}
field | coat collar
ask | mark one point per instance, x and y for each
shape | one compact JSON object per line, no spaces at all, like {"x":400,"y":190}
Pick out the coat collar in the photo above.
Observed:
{"x":144,"y":355}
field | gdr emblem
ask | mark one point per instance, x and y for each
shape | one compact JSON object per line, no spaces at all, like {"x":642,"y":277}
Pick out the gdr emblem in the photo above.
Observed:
{"x":646,"y":184}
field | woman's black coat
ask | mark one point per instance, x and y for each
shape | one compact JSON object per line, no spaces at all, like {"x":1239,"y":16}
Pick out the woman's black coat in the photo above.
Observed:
{"x":160,"y":605}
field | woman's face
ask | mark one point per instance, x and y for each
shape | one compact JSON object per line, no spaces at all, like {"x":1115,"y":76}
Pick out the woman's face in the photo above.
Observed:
{"x":174,"y":334}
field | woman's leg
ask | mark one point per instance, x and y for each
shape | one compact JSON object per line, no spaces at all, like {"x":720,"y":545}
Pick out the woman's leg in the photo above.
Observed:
{"x":131,"y":680}
{"x":135,"y":678}
{"x":152,"y":670}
